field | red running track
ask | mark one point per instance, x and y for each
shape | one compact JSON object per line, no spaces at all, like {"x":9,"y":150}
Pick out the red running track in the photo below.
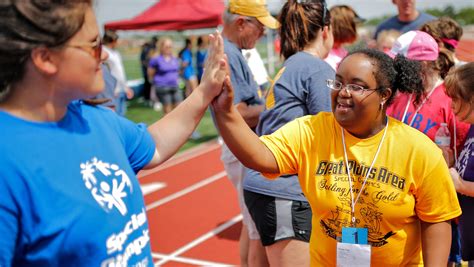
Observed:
{"x":192,"y":210}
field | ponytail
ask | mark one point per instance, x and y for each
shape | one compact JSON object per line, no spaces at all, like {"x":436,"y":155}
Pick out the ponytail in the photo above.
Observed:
{"x":408,"y":77}
{"x":300,"y":23}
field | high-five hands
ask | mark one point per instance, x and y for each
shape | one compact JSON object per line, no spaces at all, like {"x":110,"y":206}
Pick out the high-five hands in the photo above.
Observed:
{"x":215,"y":67}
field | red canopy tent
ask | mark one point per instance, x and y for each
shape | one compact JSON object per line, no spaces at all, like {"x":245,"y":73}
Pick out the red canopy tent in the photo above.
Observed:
{"x":174,"y":15}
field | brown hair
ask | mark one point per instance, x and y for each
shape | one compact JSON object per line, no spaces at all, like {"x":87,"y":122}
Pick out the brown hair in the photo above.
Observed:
{"x":110,"y":36}
{"x":28,"y":24}
{"x":460,"y":83}
{"x":300,"y":22}
{"x":443,"y":28}
{"x":343,"y":23}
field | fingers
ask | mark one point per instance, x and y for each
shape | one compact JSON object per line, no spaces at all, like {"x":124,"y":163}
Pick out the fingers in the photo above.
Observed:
{"x":215,"y":51}
{"x":228,"y":89}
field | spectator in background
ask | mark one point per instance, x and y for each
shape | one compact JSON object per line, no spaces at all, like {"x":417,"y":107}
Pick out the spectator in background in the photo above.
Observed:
{"x":279,"y":208}
{"x":386,"y":39}
{"x":460,"y":87}
{"x":163,"y":71}
{"x":187,"y":69}
{"x":344,"y":22}
{"x":244,"y":24}
{"x":106,"y":97}
{"x":427,"y":108}
{"x":408,"y":18}
{"x":201,"y":53}
{"x":115,"y":64}
{"x":446,"y":32}
{"x":145,"y":55}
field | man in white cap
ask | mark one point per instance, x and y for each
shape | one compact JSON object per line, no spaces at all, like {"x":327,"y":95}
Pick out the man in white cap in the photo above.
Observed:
{"x":244,"y":25}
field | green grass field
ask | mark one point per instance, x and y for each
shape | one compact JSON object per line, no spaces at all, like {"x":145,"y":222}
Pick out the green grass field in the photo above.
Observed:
{"x":140,"y":112}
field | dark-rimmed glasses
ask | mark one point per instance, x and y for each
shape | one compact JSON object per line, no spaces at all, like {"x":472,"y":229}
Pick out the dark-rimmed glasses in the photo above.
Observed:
{"x":350,"y":88}
{"x":95,"y":47}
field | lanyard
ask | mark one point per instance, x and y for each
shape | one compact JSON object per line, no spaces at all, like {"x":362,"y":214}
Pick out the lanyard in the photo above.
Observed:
{"x":353,"y":203}
{"x":438,"y":82}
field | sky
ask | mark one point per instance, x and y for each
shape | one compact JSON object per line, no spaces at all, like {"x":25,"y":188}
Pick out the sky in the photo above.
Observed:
{"x":110,"y":10}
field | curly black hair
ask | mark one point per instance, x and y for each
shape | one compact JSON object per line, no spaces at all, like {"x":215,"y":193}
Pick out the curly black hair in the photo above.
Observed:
{"x":398,"y":74}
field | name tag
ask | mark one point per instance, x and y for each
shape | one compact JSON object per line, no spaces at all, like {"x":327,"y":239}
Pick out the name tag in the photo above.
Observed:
{"x":354,"y":249}
{"x":353,"y":255}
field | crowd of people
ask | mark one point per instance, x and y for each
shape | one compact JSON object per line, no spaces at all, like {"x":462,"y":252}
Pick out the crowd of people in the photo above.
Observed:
{"x":350,"y":157}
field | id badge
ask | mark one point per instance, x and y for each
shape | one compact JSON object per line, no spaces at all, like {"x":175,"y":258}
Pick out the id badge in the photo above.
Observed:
{"x":354,"y":249}
{"x":353,"y":235}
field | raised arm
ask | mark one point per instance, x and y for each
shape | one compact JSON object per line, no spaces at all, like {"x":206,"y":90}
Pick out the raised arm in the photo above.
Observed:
{"x":172,"y":131}
{"x":237,"y":135}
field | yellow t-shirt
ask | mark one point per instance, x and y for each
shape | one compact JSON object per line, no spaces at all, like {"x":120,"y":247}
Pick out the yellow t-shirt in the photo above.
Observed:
{"x":409,"y":182}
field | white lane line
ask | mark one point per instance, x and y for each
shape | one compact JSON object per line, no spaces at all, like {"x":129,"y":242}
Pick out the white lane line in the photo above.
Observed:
{"x":200,"y":239}
{"x":184,"y":156}
{"x":186,"y":190}
{"x":152,"y":187}
{"x":190,"y":261}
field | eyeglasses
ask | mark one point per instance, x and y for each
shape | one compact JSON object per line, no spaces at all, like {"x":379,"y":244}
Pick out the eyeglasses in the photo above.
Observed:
{"x":350,"y":88}
{"x":94,"y":47}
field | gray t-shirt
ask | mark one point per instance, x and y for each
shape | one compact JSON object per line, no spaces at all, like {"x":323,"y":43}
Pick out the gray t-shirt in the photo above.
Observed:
{"x":299,"y":90}
{"x":245,"y":87}
{"x":394,"y":23}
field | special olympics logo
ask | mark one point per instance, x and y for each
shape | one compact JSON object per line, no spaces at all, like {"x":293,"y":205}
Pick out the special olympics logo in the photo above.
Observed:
{"x":107,"y":184}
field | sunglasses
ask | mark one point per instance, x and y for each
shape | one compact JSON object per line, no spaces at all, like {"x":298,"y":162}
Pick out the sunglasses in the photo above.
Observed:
{"x":94,"y":48}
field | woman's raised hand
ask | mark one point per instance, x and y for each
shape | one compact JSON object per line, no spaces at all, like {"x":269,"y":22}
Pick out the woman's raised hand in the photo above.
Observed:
{"x":215,"y":67}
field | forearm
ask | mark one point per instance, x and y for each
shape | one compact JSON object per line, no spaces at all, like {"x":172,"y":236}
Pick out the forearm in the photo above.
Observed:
{"x":436,"y":243}
{"x":466,"y":188}
{"x":250,"y":113}
{"x":244,"y":143}
{"x":174,"y":129}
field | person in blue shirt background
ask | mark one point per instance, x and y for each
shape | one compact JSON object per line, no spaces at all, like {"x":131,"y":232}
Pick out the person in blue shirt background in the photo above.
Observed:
{"x":187,"y":69}
{"x":201,"y":56}
{"x":68,"y":186}
{"x":407,"y":19}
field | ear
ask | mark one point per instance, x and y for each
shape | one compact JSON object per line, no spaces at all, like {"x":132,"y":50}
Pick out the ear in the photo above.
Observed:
{"x":45,"y":60}
{"x":239,"y":22}
{"x":386,"y":94}
{"x":325,"y":32}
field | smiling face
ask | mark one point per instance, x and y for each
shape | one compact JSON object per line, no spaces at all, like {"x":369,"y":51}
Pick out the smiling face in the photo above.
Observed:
{"x":358,"y":112}
{"x":79,"y":70}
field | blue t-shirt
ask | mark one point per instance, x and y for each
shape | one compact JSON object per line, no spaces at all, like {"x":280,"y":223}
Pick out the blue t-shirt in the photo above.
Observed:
{"x":200,"y":59}
{"x":300,"y":89}
{"x":394,"y":23}
{"x":69,"y":192}
{"x":188,"y":71}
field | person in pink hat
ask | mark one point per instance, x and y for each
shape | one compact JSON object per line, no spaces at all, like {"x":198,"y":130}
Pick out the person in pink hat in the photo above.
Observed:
{"x":425,"y":110}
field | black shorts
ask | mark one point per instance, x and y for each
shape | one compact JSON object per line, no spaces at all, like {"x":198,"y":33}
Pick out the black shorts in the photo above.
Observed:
{"x":169,"y":94}
{"x":279,"y":219}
